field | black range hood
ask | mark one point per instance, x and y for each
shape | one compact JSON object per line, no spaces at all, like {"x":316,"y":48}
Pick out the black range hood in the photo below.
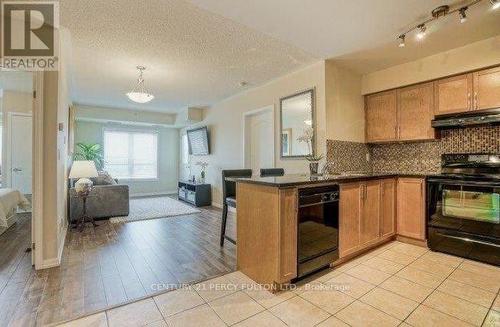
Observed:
{"x":490,"y":117}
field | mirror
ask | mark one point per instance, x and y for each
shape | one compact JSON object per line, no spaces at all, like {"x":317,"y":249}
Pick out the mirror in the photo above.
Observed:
{"x":298,"y":132}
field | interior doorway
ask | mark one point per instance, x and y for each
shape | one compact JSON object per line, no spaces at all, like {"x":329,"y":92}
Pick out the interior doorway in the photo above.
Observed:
{"x":259,"y":139}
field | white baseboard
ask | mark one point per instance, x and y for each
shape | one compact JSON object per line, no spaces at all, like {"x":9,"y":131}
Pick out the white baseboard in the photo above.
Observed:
{"x":56,"y":262}
{"x":140,"y":195}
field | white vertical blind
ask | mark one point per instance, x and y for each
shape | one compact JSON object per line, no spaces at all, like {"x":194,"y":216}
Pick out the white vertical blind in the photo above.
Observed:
{"x":131,"y":155}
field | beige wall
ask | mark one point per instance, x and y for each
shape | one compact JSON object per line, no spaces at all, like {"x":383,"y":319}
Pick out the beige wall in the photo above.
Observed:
{"x":225,"y":121}
{"x":122,"y":115}
{"x":470,"y":57}
{"x":345,"y":115}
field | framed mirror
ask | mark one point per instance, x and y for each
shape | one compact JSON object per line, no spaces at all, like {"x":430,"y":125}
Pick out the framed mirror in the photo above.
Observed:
{"x":298,"y":131}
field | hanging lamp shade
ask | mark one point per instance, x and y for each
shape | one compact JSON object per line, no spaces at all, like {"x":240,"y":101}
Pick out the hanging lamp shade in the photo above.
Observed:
{"x":140,"y":94}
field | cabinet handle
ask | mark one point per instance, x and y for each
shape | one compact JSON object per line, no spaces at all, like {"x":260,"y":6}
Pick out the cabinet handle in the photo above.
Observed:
{"x":475,"y":100}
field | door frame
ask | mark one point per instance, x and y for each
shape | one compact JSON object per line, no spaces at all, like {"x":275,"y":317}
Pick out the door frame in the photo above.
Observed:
{"x":246,"y":116}
{"x":8,"y":145}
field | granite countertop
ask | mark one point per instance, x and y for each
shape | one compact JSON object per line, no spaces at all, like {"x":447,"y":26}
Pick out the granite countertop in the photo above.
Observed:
{"x":303,"y":179}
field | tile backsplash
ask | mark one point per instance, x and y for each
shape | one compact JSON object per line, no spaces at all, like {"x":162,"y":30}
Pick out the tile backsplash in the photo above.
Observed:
{"x":412,"y":157}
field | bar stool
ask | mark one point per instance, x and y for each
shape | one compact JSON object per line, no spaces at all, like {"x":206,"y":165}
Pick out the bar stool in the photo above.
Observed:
{"x":271,"y":172}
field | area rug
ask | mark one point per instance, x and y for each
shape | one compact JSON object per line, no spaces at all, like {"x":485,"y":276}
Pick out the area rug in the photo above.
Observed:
{"x":154,"y":208}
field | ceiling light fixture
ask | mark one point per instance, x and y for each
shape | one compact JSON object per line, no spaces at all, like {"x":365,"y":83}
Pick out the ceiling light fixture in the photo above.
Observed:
{"x":462,"y":14}
{"x":439,"y":12}
{"x":421,"y":32}
{"x":139,"y":94}
{"x":402,"y":43}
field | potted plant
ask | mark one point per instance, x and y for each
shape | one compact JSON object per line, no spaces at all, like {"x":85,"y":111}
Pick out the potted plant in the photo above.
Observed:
{"x":314,"y":160}
{"x":90,"y":152}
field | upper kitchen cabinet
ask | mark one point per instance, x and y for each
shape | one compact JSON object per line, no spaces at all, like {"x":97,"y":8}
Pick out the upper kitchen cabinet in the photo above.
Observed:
{"x":381,"y":117}
{"x":415,"y":112}
{"x":487,"y":89}
{"x":453,"y":95}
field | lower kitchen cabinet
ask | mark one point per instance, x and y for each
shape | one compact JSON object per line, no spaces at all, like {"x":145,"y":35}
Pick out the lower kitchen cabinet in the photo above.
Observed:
{"x":364,"y":214}
{"x":411,"y":208}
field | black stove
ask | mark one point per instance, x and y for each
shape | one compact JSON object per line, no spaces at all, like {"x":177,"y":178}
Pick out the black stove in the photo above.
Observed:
{"x":463,"y":207}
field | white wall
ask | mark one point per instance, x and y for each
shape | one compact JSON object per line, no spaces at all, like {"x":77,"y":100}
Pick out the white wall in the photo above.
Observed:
{"x":470,"y":57}
{"x":168,"y":156}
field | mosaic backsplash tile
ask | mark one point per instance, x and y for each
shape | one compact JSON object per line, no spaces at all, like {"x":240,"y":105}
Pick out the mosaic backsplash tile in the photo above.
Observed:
{"x":412,"y":157}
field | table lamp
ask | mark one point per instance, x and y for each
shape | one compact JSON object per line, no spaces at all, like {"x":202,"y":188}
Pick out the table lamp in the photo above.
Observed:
{"x":83,"y":170}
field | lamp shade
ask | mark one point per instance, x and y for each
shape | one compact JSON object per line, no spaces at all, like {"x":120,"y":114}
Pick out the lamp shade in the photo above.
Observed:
{"x":83,"y":169}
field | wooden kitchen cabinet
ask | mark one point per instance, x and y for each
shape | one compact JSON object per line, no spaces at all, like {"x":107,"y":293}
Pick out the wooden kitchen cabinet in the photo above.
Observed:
{"x":369,"y":230}
{"x":349,"y":218}
{"x":486,"y":89}
{"x":381,"y":117}
{"x":415,"y":112}
{"x":453,"y":94}
{"x":411,"y":208}
{"x":388,"y":208}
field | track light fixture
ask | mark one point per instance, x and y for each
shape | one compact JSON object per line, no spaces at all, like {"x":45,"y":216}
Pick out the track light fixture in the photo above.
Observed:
{"x":402,"y":41}
{"x":442,"y":11}
{"x":462,"y":14}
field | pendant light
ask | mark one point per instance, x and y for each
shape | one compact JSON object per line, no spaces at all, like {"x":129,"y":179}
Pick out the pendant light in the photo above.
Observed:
{"x":139,"y":94}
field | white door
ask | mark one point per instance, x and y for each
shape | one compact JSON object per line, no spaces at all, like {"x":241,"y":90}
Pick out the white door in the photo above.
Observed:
{"x":21,"y":152}
{"x":260,"y":140}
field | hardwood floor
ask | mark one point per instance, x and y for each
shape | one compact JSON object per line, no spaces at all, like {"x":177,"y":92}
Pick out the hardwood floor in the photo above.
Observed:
{"x":111,"y":264}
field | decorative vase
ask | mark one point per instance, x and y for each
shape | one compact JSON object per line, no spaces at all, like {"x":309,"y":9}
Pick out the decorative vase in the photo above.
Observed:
{"x":202,"y":175}
{"x":313,"y":168}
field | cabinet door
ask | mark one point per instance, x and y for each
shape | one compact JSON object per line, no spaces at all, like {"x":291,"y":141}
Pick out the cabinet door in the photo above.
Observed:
{"x":388,"y":208}
{"x":381,"y":117}
{"x":370,"y":217}
{"x":487,"y":89}
{"x":349,"y":218}
{"x":453,"y":94}
{"x":415,"y":112}
{"x":411,"y":212}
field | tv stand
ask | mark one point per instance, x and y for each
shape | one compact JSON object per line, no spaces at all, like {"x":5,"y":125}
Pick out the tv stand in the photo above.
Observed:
{"x":197,"y":194}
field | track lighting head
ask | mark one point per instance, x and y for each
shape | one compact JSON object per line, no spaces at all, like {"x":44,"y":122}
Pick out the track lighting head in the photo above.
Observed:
{"x":462,"y":14}
{"x":421,"y":32}
{"x":495,"y":4}
{"x":402,"y":43}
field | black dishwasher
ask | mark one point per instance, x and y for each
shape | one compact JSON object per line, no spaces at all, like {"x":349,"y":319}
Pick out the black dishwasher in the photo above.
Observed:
{"x":318,"y":228}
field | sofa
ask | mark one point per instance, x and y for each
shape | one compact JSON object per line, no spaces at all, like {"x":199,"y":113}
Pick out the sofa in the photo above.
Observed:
{"x":107,"y":199}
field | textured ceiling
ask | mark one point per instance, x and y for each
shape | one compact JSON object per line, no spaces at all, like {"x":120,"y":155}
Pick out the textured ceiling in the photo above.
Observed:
{"x":16,"y":81}
{"x":194,"y":57}
{"x":359,"y":33}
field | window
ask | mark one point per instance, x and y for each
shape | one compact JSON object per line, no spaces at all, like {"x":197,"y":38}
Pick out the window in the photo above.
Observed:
{"x":131,"y":155}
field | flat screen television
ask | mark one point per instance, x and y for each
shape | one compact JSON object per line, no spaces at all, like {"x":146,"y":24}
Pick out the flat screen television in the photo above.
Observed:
{"x":198,"y":141}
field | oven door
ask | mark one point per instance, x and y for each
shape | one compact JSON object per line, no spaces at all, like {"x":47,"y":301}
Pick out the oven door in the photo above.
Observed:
{"x":463,"y":218}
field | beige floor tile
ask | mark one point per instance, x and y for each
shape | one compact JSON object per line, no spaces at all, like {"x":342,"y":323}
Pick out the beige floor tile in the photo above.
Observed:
{"x":179,"y":300}
{"x":350,"y":285}
{"x":432,"y":267}
{"x":458,"y":308}
{"x":329,"y":300}
{"x":348,"y":265}
{"x":397,"y":257}
{"x":194,"y":317}
{"x":215,"y":288}
{"x":424,"y":316}
{"x":406,"y":288}
{"x":240,"y":279}
{"x":492,"y":319}
{"x":263,"y":319}
{"x":307,"y":285}
{"x":409,"y":249}
{"x":268,"y":299}
{"x":467,"y":292}
{"x":235,"y":307}
{"x":333,"y":322}
{"x":482,"y":269}
{"x":384,"y":265}
{"x":420,"y":277}
{"x":97,"y":320}
{"x":391,"y":303}
{"x":496,"y":304}
{"x":361,"y":314}
{"x":443,"y":259}
{"x":473,"y":279}
{"x":299,"y":312}
{"x":327,"y":275}
{"x":160,"y":323}
{"x":368,"y":274}
{"x":136,"y":314}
